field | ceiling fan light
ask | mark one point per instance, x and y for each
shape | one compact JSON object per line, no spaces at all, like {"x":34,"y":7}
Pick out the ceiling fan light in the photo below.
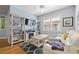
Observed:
{"x":42,"y":6}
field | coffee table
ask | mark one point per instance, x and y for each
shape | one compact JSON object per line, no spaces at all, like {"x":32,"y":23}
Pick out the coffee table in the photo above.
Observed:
{"x":39,"y":40}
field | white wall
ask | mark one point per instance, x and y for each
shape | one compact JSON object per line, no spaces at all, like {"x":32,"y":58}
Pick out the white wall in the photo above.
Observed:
{"x":66,"y":12}
{"x":76,"y":17}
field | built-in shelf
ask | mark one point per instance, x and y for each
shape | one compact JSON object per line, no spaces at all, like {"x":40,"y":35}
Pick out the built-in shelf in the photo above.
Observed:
{"x":18,"y":41}
{"x":16,"y":25}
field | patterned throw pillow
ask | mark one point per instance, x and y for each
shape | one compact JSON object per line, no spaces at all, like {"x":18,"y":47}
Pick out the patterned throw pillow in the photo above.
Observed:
{"x":65,"y":35}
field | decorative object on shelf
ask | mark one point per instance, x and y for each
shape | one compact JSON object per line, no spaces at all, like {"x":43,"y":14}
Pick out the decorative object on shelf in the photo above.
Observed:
{"x":68,"y":22}
{"x":38,"y":27}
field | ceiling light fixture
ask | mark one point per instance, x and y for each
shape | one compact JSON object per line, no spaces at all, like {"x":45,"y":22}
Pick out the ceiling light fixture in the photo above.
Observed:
{"x":42,"y":8}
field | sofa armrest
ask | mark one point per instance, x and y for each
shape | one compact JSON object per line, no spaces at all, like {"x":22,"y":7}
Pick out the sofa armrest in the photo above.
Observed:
{"x":71,"y":49}
{"x":74,"y":49}
{"x":47,"y":50}
{"x":67,"y":49}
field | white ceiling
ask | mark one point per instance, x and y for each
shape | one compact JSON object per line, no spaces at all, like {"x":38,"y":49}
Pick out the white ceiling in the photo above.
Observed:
{"x":36,"y":10}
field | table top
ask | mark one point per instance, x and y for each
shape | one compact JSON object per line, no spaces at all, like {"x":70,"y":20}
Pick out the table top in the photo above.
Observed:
{"x":41,"y":36}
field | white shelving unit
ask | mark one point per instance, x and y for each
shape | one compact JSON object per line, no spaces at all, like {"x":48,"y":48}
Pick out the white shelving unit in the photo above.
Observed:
{"x":16,"y":25}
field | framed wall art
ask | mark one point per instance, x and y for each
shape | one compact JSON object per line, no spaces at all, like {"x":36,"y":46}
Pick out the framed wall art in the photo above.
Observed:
{"x":68,"y":22}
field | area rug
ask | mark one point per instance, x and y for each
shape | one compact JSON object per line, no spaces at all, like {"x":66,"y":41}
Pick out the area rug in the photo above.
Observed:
{"x":31,"y":49}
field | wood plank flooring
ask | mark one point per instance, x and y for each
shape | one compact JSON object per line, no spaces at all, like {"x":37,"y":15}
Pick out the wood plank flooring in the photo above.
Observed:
{"x":3,"y":42}
{"x":7,"y":49}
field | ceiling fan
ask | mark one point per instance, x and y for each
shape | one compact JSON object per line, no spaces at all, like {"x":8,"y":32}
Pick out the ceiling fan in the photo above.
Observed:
{"x":42,"y":6}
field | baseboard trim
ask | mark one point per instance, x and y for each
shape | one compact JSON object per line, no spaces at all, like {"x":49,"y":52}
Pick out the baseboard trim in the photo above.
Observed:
{"x":3,"y":38}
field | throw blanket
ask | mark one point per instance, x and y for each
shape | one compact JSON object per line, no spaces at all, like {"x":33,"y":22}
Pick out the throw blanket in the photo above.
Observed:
{"x":57,"y":44}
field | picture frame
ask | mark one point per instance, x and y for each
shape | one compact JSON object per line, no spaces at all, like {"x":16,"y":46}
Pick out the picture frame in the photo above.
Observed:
{"x":2,"y":22}
{"x":68,"y":22}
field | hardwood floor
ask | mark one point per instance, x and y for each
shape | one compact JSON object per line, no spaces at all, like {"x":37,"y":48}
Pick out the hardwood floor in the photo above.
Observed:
{"x":7,"y":49}
{"x":3,"y":42}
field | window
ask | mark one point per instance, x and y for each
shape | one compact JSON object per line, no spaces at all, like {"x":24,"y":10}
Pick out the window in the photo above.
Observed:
{"x":46,"y":25}
{"x":51,"y":24}
{"x":54,"y":27}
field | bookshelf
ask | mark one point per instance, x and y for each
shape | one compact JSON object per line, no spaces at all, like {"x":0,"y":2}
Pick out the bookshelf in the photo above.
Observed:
{"x":16,"y":33}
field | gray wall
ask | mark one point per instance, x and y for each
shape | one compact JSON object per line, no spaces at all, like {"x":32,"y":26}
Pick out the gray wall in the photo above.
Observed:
{"x":4,"y":11}
{"x":65,"y":12}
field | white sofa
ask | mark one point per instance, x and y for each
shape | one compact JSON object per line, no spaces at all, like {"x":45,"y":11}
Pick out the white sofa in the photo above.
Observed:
{"x":67,"y":50}
{"x":47,"y":50}
{"x":71,"y":46}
